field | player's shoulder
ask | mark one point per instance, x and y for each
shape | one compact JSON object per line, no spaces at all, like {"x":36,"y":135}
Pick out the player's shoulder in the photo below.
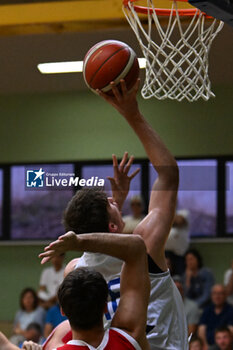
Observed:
{"x":121,"y":340}
{"x":71,"y":266}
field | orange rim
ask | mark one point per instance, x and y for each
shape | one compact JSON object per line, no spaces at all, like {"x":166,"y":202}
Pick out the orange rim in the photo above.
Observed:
{"x":164,"y":12}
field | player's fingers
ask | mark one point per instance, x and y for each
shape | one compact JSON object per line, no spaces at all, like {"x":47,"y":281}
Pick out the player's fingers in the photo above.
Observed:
{"x":103,"y":95}
{"x":45,"y":254}
{"x":45,"y":260}
{"x":62,"y":237}
{"x":25,"y":345}
{"x":115,"y":91}
{"x":115,"y":165}
{"x":112,"y":182}
{"x":123,"y":161}
{"x":128,"y":165}
{"x":123,"y":87}
{"x":55,"y":243}
{"x":100,"y":93}
{"x":134,"y":173}
{"x":111,"y":179}
{"x":136,"y":86}
{"x":114,"y":160}
{"x":46,"y":248}
{"x":34,"y":346}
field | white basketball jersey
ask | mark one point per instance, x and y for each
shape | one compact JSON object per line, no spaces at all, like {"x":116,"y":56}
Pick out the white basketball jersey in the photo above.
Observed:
{"x":166,"y":320}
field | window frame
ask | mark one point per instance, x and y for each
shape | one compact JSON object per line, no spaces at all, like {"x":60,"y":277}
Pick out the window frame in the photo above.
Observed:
{"x":144,"y":181}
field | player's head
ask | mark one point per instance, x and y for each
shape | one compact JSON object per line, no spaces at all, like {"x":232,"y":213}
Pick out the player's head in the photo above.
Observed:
{"x":83,"y":298}
{"x":90,"y":210}
{"x":223,"y":338}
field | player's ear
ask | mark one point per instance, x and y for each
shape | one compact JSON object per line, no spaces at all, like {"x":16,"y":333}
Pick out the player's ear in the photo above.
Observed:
{"x":62,"y":312}
{"x":112,"y":227}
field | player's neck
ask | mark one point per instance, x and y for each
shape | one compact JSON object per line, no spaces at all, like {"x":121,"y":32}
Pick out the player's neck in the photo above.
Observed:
{"x":92,"y":336}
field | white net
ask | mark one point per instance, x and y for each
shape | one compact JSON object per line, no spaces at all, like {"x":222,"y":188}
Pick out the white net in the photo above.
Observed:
{"x":177,"y":59}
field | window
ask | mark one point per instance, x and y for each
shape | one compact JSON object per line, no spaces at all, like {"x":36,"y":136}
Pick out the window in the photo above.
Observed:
{"x":102,"y":171}
{"x":197,"y":194}
{"x":229,"y":197}
{"x":37,"y":214}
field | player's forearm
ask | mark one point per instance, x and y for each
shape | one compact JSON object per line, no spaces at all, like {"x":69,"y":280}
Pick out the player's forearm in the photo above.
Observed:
{"x":125,"y":247}
{"x":5,"y":344}
{"x":163,"y":161}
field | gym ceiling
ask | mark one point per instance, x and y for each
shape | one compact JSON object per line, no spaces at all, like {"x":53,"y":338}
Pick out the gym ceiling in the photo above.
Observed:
{"x":33,"y":32}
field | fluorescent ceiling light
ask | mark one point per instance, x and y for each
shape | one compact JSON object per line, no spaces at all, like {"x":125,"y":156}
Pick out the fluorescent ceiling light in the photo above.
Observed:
{"x":60,"y":67}
{"x":70,"y":67}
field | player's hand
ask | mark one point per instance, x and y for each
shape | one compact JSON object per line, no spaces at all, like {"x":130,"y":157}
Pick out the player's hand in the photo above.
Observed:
{"x":30,"y":345}
{"x":64,"y":243}
{"x":124,"y":101}
{"x":120,"y":182}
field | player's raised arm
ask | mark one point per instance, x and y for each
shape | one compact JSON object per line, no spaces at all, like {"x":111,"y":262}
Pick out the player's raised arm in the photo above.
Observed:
{"x":120,"y":182}
{"x":131,"y":314}
{"x":156,"y":226}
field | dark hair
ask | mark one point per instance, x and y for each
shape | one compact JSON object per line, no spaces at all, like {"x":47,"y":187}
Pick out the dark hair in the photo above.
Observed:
{"x":196,"y":338}
{"x":34,"y":326}
{"x":24,"y":292}
{"x":222,"y":329}
{"x":83,"y":296}
{"x":197,"y":255}
{"x":87,"y":212}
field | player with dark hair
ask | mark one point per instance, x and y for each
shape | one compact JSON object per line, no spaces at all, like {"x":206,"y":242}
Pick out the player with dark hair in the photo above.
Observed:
{"x":84,"y":292}
{"x":89,"y":210}
{"x":83,"y":297}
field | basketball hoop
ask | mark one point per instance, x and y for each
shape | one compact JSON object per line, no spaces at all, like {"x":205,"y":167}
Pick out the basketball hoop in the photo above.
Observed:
{"x":175,"y":68}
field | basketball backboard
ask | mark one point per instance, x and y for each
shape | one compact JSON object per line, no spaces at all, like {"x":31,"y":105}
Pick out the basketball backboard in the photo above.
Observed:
{"x":220,"y":9}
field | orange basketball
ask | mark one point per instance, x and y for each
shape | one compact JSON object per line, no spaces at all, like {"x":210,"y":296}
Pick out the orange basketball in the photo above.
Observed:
{"x":110,"y":60}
